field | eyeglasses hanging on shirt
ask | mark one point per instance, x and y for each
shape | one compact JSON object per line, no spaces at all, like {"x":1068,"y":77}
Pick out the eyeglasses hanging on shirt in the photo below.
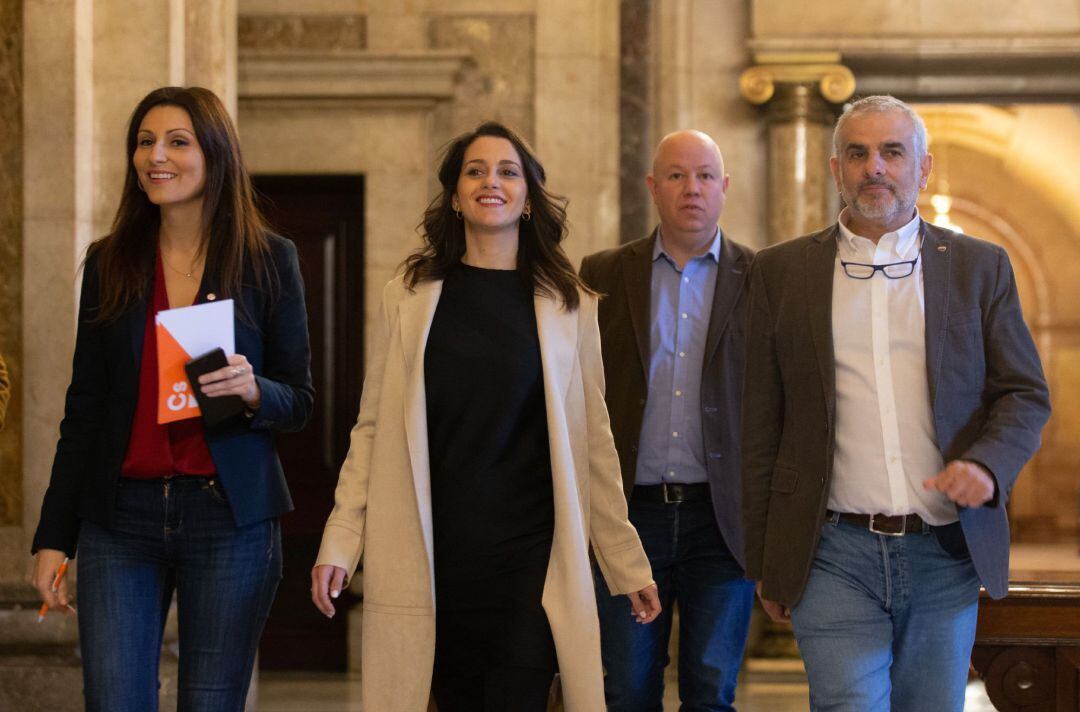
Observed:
{"x":893,"y":270}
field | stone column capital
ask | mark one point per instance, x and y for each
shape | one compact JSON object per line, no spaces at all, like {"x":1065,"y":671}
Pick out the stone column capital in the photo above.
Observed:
{"x":821,"y":70}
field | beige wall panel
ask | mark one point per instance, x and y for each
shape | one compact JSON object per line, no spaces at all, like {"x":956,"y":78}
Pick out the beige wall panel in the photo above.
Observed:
{"x":577,"y":127}
{"x":905,"y":18}
{"x":310,"y":7}
{"x":718,"y":34}
{"x":996,"y":17}
{"x":397,"y":7}
{"x":498,"y":83}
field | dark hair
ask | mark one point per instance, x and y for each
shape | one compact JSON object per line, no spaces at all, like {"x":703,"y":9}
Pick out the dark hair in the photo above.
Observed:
{"x":540,"y":260}
{"x":234,"y":231}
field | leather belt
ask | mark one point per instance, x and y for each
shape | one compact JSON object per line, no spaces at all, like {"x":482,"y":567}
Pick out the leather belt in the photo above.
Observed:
{"x":672,"y":492}
{"x":897,"y":525}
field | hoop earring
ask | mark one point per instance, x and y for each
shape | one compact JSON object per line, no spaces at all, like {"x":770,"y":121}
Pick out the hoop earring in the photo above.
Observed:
{"x":526,"y":214}
{"x":458,"y":213}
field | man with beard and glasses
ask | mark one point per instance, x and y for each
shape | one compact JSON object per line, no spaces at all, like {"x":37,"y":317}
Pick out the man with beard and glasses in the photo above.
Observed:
{"x":893,"y":393}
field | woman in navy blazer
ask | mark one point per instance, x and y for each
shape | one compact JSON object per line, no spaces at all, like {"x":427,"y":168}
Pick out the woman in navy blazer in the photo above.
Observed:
{"x":178,"y":507}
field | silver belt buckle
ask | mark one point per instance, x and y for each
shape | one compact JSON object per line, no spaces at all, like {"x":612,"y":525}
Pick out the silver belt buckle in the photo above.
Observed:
{"x":666,"y":500}
{"x":902,"y":532}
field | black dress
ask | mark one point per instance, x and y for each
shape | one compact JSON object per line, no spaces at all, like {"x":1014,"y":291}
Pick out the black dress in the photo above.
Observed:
{"x":491,"y":489}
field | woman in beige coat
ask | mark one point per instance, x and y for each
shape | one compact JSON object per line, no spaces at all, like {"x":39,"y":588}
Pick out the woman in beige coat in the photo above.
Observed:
{"x":482,"y":456}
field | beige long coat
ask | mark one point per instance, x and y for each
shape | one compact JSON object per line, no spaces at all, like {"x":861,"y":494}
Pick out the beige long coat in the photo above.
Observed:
{"x":383,"y":503}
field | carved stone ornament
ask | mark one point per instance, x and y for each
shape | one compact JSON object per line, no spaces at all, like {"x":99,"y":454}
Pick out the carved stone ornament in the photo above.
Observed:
{"x":835,"y":81}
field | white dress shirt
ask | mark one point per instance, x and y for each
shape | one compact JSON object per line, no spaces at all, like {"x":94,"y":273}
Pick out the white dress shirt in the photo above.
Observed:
{"x":885,"y":441}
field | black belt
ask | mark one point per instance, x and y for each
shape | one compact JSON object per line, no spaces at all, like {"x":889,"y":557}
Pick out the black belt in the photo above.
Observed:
{"x":897,"y":525}
{"x":672,"y":492}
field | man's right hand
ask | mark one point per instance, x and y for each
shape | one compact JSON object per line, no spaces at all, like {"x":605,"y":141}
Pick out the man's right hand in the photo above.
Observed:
{"x":778,"y":612}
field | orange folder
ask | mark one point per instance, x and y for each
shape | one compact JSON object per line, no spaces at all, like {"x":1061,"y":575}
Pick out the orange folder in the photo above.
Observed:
{"x":182,"y":335}
{"x":176,"y":401}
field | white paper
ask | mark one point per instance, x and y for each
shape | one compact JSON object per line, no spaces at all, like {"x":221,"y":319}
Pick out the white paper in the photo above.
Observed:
{"x":202,"y":327}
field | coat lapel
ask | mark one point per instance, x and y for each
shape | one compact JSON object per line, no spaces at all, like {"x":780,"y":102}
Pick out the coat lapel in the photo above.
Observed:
{"x":936,"y":257}
{"x":731,"y":273}
{"x":820,"y":264}
{"x":557,"y":329}
{"x":415,"y":313}
{"x":637,"y":280}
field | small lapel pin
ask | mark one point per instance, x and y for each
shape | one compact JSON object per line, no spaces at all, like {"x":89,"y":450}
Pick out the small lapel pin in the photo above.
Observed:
{"x":941,"y":248}
{"x":211,"y":297}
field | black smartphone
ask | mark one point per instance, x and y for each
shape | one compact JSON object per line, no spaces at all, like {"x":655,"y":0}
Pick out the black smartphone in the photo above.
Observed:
{"x":215,"y":411}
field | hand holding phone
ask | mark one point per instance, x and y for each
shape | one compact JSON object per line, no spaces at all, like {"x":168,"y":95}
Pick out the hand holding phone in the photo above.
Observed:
{"x":215,"y":409}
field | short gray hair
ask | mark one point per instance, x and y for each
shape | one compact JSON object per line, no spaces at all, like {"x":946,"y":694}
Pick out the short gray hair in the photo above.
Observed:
{"x":879,"y":104}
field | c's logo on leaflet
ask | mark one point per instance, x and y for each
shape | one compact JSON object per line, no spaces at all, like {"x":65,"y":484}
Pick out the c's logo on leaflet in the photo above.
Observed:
{"x":179,"y":399}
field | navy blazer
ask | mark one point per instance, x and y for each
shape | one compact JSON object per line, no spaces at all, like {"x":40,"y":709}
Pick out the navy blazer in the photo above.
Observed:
{"x":104,"y":388}
{"x":623,"y":276}
{"x":987,"y":391}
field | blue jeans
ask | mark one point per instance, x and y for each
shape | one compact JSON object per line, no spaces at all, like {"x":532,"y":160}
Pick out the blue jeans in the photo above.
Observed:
{"x":173,"y":535}
{"x":694,"y":569}
{"x":886,"y":623}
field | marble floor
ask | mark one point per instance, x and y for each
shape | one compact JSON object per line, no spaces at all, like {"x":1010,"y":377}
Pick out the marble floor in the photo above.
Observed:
{"x":327,"y":692}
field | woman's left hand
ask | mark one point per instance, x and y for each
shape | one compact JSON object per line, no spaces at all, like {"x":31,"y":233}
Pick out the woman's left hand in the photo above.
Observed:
{"x":645,"y":604}
{"x":236,"y":379}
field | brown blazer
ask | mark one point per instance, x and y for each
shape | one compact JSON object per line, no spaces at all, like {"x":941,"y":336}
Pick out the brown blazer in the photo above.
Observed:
{"x":383,"y":504}
{"x":624,"y":276}
{"x":987,"y":391}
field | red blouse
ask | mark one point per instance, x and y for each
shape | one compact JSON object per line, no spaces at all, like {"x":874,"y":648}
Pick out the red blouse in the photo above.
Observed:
{"x":177,"y":448}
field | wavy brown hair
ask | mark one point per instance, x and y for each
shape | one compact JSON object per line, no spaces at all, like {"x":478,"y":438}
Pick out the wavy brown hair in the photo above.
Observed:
{"x":540,"y":259}
{"x":234,"y":234}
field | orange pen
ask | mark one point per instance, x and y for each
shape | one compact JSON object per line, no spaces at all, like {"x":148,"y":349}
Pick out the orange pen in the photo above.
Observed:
{"x":55,"y":587}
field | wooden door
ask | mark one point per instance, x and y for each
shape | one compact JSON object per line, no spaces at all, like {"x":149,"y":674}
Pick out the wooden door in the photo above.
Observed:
{"x":323,"y":216}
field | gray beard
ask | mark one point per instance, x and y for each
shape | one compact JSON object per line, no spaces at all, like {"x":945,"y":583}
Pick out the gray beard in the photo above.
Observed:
{"x":894,"y":206}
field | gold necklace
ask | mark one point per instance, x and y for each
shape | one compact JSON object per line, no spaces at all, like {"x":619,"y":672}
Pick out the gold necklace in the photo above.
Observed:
{"x":189,"y":275}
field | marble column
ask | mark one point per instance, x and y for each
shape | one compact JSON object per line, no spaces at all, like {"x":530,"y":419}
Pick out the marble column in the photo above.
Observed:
{"x":800,"y":95}
{"x":635,"y":117}
{"x":210,"y":47}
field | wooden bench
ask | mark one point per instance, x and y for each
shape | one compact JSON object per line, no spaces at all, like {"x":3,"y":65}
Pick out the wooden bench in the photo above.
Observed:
{"x":1027,"y":647}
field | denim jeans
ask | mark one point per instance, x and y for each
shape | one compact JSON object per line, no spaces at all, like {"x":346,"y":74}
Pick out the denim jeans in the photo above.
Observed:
{"x":886,"y":623}
{"x":172,"y":535}
{"x":694,"y":570}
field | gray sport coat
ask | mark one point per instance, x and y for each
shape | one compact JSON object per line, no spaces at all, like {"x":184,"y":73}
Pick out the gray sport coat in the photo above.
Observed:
{"x":987,"y":391}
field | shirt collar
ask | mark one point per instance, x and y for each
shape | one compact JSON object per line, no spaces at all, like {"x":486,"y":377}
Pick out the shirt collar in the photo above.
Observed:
{"x":901,"y":240}
{"x":714,"y":248}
